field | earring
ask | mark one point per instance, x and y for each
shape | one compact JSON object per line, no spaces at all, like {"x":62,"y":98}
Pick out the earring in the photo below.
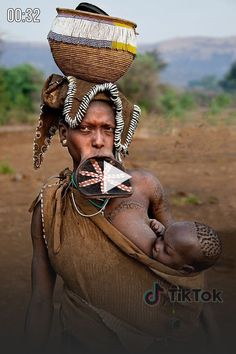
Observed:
{"x":64,"y":142}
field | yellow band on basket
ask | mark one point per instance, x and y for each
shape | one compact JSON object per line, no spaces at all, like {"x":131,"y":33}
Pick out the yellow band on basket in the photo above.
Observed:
{"x":122,"y":25}
{"x":124,"y":46}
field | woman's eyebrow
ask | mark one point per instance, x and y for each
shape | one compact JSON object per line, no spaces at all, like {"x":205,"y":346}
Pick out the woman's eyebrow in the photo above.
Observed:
{"x":108,"y":125}
{"x":103,"y":125}
{"x":84,"y":124}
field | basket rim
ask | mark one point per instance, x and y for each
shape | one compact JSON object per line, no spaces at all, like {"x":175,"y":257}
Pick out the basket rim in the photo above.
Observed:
{"x":96,"y":16}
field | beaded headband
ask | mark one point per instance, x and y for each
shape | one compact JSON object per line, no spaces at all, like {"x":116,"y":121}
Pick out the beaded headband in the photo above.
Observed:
{"x":69,"y":97}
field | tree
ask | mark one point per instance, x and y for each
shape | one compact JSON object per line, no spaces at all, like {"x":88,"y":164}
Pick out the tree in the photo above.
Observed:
{"x":4,"y":96}
{"x":19,"y":91}
{"x":229,"y":82}
{"x":24,"y":83}
{"x":141,"y":83}
{"x":208,"y":83}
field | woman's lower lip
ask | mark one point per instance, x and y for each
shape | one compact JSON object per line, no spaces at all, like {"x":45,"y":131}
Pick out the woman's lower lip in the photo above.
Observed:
{"x":96,"y":155}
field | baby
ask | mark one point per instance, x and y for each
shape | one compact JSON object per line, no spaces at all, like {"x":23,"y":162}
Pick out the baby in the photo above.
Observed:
{"x":185,"y":246}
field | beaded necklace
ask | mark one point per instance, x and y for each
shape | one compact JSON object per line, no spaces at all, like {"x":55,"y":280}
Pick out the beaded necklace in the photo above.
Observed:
{"x":101,"y":206}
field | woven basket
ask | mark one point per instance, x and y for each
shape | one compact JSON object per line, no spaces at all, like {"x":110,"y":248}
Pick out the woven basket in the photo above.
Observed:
{"x":98,"y":60}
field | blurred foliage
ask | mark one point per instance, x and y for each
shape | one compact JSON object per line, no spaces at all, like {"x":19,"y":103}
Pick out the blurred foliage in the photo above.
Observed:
{"x":207,"y":83}
{"x":213,"y":100}
{"x":188,"y":199}
{"x":5,"y":168}
{"x":19,"y":93}
{"x":228,"y":84}
{"x":219,"y":102}
{"x":174,"y":103}
{"x":141,"y":84}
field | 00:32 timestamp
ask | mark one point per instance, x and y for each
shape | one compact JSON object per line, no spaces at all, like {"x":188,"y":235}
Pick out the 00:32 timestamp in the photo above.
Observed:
{"x":24,"y":16}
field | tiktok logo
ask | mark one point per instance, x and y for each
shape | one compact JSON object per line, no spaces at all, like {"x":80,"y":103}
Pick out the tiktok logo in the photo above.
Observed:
{"x":152,"y":296}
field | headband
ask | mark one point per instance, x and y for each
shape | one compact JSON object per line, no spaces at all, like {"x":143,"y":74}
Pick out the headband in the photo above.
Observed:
{"x":69,"y":98}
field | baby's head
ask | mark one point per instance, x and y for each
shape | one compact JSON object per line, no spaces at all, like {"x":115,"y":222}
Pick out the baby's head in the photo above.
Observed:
{"x":188,"y":247}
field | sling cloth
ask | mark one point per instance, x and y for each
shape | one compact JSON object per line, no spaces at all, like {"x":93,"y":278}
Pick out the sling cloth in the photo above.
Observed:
{"x":105,"y":278}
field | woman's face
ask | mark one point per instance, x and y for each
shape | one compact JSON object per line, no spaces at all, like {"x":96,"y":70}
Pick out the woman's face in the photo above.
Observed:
{"x":94,"y":136}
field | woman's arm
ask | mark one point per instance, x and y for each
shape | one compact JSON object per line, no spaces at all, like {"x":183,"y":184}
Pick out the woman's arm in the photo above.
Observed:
{"x":40,"y":309}
{"x":159,"y":207}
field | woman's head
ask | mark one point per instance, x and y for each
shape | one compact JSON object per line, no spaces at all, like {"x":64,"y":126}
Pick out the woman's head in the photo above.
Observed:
{"x":73,"y":99}
{"x":94,"y":136}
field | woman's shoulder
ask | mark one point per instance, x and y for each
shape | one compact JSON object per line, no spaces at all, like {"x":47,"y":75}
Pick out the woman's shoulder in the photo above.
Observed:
{"x":49,"y":188}
{"x":142,"y":176}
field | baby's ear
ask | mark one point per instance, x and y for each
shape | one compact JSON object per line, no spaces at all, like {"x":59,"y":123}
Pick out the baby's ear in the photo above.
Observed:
{"x":186,"y":269}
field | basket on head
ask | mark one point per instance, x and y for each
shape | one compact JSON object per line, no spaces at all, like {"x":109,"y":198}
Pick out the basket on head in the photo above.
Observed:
{"x":92,"y":47}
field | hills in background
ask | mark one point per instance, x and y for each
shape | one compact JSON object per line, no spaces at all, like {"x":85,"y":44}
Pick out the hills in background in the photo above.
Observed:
{"x":187,"y":58}
{"x":192,"y":58}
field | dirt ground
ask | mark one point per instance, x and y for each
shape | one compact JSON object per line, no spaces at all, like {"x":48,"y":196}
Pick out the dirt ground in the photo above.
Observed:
{"x":197,"y":167}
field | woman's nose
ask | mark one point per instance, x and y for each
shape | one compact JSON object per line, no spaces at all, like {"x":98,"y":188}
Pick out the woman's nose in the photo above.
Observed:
{"x":98,"y":139}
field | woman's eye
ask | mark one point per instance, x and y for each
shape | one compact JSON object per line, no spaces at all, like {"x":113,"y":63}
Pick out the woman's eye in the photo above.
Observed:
{"x":109,"y":129}
{"x":84,"y":129}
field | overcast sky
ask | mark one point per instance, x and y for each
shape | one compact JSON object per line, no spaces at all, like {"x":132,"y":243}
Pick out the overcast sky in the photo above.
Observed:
{"x":157,"y":20}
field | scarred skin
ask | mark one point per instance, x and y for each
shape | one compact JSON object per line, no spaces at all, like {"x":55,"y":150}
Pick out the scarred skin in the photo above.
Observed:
{"x":94,"y":137}
{"x":132,"y":215}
